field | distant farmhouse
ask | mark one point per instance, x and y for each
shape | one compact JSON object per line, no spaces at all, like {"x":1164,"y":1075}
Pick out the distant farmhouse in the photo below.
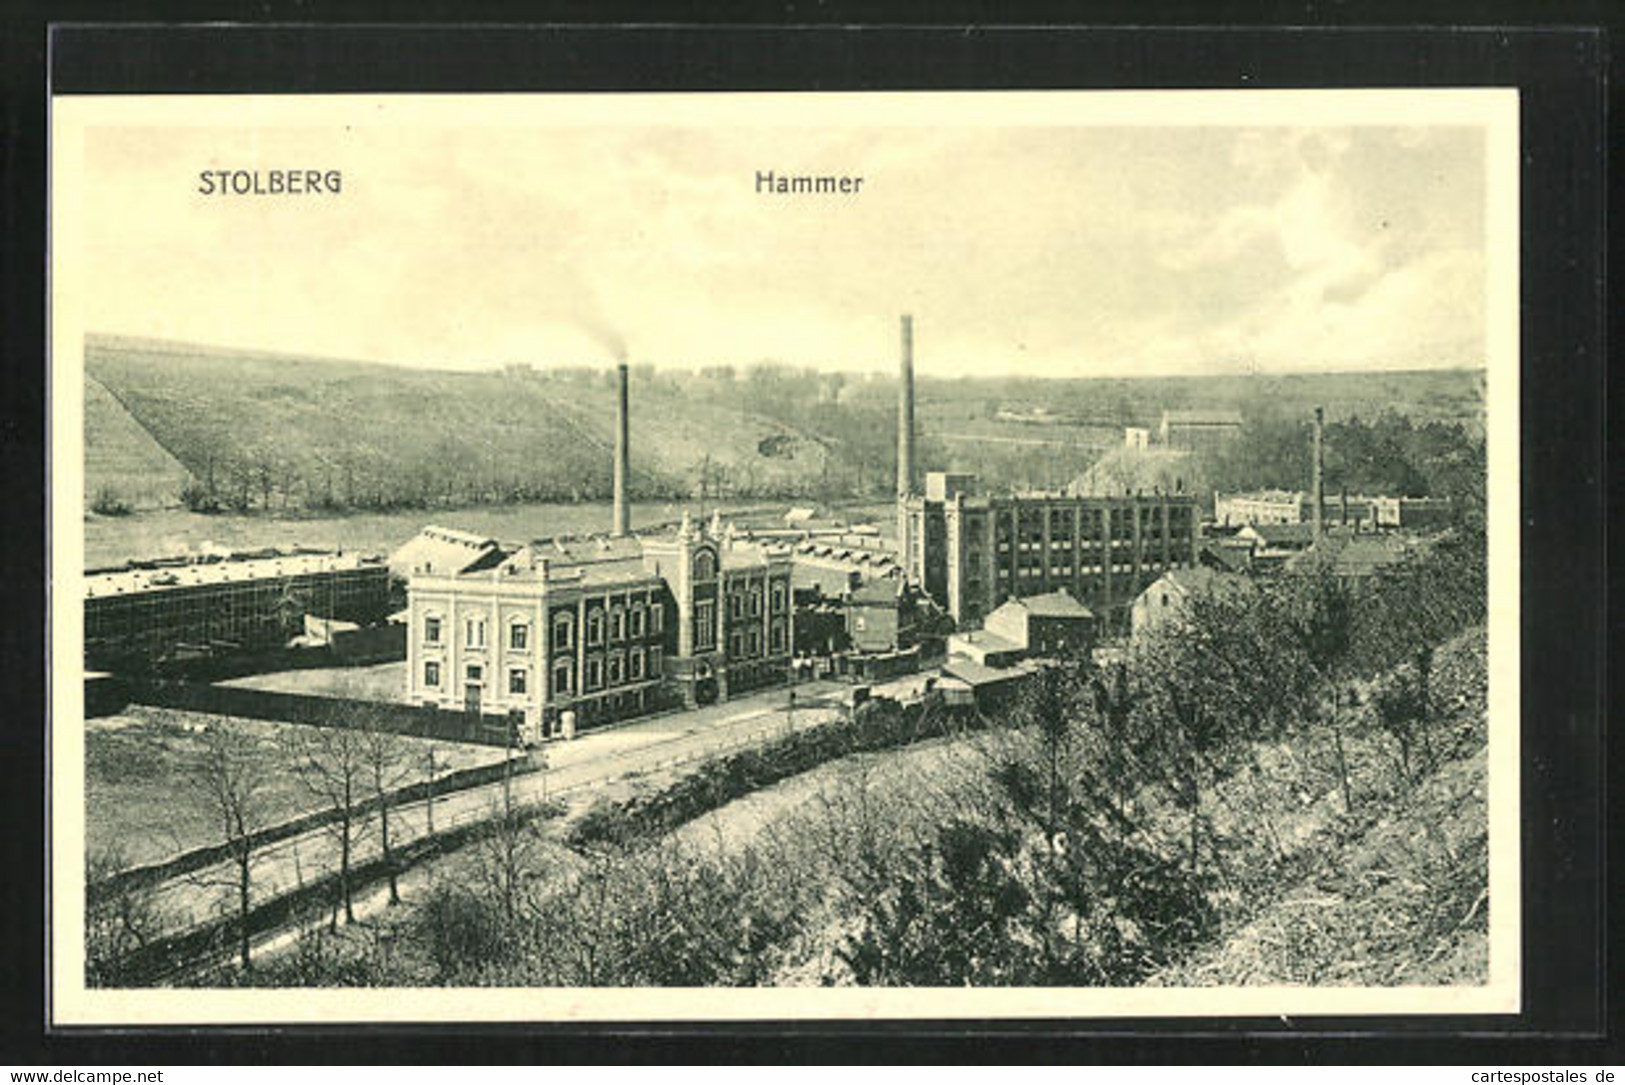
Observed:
{"x":1198,"y":430}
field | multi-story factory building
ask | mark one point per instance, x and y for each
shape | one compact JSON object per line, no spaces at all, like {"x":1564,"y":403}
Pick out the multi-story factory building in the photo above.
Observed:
{"x":146,"y":612}
{"x":576,"y":632}
{"x":972,"y":552}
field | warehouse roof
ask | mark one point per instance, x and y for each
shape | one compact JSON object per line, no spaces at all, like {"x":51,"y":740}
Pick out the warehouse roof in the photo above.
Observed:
{"x":275,"y":565}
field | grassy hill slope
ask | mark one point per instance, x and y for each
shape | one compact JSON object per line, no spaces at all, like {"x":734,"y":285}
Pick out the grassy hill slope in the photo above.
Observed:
{"x":121,"y":457}
{"x":284,"y":431}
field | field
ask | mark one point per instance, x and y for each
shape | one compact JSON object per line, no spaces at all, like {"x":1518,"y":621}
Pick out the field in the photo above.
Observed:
{"x":278,"y":431}
{"x":121,"y":457}
{"x":381,"y":682}
{"x":138,"y":796}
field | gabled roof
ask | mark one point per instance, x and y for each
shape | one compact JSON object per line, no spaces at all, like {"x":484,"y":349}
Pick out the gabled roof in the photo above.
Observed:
{"x":1282,"y":534}
{"x":1055,"y":604}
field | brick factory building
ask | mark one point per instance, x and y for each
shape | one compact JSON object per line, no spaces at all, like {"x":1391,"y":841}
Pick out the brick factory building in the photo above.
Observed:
{"x":971,"y":552}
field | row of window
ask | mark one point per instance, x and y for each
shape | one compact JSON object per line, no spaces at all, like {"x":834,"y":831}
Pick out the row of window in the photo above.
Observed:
{"x":748,"y":642}
{"x":749,"y":603}
{"x":632,"y":666}
{"x":633,"y":621}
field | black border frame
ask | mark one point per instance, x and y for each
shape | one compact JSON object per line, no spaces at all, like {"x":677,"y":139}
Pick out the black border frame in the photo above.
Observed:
{"x":1561,"y":74}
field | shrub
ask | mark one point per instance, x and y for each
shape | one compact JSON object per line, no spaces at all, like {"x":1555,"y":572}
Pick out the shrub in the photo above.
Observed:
{"x":107,"y":502}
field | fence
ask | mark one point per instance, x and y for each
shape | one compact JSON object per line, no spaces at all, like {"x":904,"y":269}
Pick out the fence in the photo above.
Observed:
{"x":284,"y":707}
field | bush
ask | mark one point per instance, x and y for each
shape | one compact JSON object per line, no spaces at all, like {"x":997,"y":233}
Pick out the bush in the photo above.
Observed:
{"x":107,"y":502}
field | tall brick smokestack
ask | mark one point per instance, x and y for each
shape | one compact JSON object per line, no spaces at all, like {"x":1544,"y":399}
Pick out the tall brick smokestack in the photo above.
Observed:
{"x":905,"y":413}
{"x":1318,"y":474}
{"x":623,"y":513}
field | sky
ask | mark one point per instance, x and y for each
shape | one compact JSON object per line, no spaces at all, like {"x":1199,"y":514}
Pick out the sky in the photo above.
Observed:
{"x":1061,"y":251}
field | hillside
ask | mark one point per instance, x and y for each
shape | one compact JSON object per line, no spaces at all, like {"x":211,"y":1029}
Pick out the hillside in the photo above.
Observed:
{"x":275,"y":431}
{"x":122,"y":458}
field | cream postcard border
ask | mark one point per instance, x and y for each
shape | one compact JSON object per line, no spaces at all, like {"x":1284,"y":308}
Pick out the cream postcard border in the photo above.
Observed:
{"x":71,"y":1003}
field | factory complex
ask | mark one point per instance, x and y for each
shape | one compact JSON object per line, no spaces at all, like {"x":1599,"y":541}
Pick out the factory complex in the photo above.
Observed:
{"x":560,"y":633}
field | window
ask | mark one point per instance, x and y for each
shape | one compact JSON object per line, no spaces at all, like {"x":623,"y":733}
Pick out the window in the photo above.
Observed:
{"x":561,"y":679}
{"x":753,"y":643}
{"x":595,"y":673}
{"x":705,"y":625}
{"x":516,"y":680}
{"x":737,"y":641}
{"x":617,"y":624}
{"x":431,"y":630}
{"x":616,"y":665}
{"x":736,"y":606}
{"x":778,"y":637}
{"x":595,"y":627}
{"x":756,"y":602}
{"x":636,"y":616}
{"x":562,"y":626}
{"x":431,"y":673}
{"x":474,"y":632}
{"x":657,"y":617}
{"x":655,"y":662}
{"x":778,"y":598}
{"x":475,"y":672}
{"x":518,"y":637}
{"x":635,"y":660}
{"x":705,"y":565}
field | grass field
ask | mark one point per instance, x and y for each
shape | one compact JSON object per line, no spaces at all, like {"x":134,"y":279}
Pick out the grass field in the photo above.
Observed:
{"x":139,"y":796}
{"x":359,"y":432}
{"x":381,"y":682}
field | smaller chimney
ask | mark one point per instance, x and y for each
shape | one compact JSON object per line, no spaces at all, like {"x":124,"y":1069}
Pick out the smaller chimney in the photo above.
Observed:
{"x":622,"y":516}
{"x":1318,"y":475}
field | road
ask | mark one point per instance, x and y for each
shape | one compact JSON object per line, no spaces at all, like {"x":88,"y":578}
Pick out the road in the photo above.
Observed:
{"x":592,"y":759}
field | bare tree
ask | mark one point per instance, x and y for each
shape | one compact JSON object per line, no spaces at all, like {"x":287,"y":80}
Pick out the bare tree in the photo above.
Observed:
{"x":120,"y":917}
{"x":331,"y":764}
{"x":229,"y":782}
{"x":388,"y":767}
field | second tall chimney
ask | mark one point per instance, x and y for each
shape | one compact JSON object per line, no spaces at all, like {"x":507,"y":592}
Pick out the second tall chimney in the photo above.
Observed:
{"x":1318,"y":475}
{"x":905,"y":413}
{"x":623,"y":514}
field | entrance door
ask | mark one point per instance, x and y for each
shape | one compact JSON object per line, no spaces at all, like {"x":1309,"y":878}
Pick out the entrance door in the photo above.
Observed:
{"x":705,"y":691}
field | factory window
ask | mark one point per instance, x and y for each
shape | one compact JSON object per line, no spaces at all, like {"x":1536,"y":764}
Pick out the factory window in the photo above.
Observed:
{"x":736,"y":606}
{"x":705,"y":565}
{"x":595,"y":627}
{"x":616,"y":667}
{"x":755,"y":645}
{"x":635,"y":661}
{"x":516,"y":681}
{"x":431,"y":673}
{"x":778,"y":637}
{"x":756,"y":602}
{"x":518,"y":636}
{"x":778,"y":598}
{"x":705,"y":625}
{"x":474,"y":630}
{"x":636,"y":621}
{"x":431,"y":630}
{"x":655,"y":662}
{"x":595,"y":673}
{"x":561,"y":679}
{"x":562,"y":626}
